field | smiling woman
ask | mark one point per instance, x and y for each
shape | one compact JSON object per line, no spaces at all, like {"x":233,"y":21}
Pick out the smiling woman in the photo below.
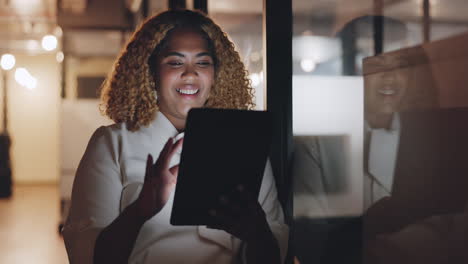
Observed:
{"x":122,"y":199}
{"x":184,"y":74}
{"x":129,"y":92}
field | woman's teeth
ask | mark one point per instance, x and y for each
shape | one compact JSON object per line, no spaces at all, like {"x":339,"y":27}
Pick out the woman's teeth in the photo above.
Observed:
{"x":387,"y":91}
{"x":187,"y":91}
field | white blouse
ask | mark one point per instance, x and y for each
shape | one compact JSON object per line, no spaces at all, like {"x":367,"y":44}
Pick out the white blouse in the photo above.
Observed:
{"x":383,"y":150}
{"x":110,"y":177}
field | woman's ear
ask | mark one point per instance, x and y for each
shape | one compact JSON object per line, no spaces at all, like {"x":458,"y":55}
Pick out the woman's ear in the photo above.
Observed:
{"x":154,"y":75}
{"x":156,"y":95}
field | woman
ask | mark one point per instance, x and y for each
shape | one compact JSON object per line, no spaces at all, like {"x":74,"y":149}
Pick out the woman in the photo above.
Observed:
{"x":121,"y":199}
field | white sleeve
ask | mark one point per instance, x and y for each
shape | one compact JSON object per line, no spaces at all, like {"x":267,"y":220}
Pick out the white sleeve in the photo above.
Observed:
{"x":95,"y":197}
{"x":268,"y":199}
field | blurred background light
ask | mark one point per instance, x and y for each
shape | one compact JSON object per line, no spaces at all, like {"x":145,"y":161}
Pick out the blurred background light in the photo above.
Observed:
{"x":255,"y":78}
{"x":59,"y":57}
{"x":49,"y":42}
{"x":255,"y":56}
{"x":8,"y":61}
{"x":58,"y":31}
{"x":317,"y":48}
{"x":32,"y":45}
{"x":24,"y":78}
{"x":308,"y":65}
{"x":25,"y":7}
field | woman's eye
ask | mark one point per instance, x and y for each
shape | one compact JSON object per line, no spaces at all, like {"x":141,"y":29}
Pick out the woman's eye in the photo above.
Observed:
{"x":204,"y":63}
{"x":175,"y":63}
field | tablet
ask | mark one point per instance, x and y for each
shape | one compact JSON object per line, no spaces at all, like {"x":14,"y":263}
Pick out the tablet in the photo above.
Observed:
{"x":222,"y":149}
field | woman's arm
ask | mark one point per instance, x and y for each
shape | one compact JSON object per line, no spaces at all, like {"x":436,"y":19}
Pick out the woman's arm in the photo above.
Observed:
{"x":263,"y":247}
{"x":242,"y":216}
{"x":116,"y":242}
{"x":259,"y":223}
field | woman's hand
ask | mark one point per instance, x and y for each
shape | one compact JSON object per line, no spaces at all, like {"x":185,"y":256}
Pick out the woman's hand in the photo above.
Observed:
{"x":159,"y":181}
{"x":241,"y":215}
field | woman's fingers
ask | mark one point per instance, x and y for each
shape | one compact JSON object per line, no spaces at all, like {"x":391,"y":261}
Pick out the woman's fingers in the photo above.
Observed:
{"x":161,"y":167}
{"x":169,"y":150}
{"x":239,"y":213}
{"x":174,"y":171}
{"x":175,"y":147}
{"x":159,"y":179}
{"x":149,"y":166}
{"x":163,"y":156}
{"x":178,"y":145}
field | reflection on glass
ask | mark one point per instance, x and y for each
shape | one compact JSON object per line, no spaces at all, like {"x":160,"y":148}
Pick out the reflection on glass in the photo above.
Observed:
{"x":244,"y":27}
{"x":391,"y":87}
{"x":320,"y":167}
{"x":405,"y":143}
{"x":415,"y":155}
{"x":328,"y":135}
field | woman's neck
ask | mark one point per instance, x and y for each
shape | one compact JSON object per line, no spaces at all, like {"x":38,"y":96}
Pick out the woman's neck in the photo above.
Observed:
{"x":379,"y":120}
{"x":178,"y":123}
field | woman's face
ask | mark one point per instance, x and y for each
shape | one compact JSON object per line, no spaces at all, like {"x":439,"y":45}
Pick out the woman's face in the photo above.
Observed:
{"x":184,"y":75}
{"x":385,"y":91}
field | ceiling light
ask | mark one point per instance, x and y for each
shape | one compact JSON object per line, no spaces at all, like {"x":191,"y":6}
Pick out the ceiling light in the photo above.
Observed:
{"x":8,"y":61}
{"x":24,"y":78}
{"x":59,"y":56}
{"x":317,"y":48}
{"x":49,"y":42}
{"x":308,"y":65}
{"x":255,"y":78}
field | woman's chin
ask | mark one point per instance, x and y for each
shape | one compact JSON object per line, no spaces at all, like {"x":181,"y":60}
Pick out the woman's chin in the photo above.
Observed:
{"x":184,"y":112}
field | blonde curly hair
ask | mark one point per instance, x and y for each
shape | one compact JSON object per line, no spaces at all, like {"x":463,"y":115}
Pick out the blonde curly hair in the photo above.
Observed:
{"x":128,"y":94}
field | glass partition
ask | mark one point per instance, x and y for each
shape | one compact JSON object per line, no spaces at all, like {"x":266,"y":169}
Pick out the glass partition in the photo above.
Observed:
{"x":378,"y":151}
{"x":242,"y":21}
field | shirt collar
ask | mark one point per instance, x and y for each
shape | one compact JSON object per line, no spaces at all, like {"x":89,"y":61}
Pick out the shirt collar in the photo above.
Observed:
{"x":164,"y":128}
{"x":394,"y":126}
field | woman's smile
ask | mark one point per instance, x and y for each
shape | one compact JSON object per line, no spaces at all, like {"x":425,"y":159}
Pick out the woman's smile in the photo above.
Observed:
{"x":188,"y":89}
{"x":185,"y":91}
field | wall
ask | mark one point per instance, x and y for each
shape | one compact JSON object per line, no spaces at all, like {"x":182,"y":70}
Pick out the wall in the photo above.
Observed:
{"x":322,"y":106}
{"x":34,"y":121}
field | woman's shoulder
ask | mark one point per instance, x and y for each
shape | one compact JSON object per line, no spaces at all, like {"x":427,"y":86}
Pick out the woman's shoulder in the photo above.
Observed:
{"x":117,"y":134}
{"x":114,"y":130}
{"x":109,"y":134}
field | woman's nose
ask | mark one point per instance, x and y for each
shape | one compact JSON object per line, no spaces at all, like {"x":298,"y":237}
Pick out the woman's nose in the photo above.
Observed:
{"x":189,"y":72}
{"x":388,"y":77}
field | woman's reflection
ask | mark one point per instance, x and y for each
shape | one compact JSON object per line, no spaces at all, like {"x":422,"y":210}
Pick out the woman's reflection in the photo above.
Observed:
{"x":415,"y":160}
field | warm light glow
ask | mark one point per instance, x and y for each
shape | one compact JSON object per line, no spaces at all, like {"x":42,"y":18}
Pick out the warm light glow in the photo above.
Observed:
{"x":255,"y":56}
{"x":59,"y":57}
{"x":8,"y":61}
{"x":24,"y":78}
{"x":318,"y":48}
{"x":58,"y":31}
{"x":49,"y":42}
{"x":255,"y":78}
{"x":32,"y":45}
{"x":308,"y":65}
{"x":26,"y":7}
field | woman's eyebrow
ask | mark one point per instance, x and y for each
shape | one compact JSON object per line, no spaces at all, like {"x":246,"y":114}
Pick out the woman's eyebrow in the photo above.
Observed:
{"x":173,"y":53}
{"x":201,"y":54}
{"x":178,"y":54}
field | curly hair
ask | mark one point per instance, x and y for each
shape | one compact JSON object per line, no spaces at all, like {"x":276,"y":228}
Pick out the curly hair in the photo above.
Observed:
{"x":129,"y":92}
